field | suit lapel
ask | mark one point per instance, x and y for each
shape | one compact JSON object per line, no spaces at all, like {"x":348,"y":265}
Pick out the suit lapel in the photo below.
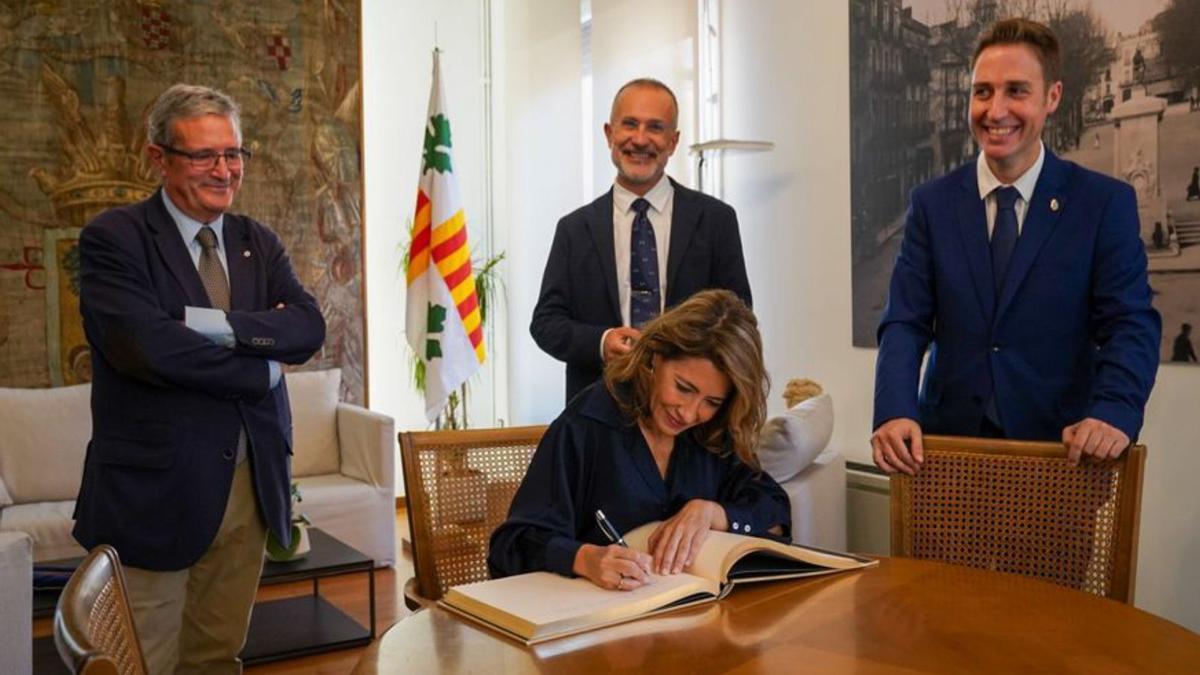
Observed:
{"x":972,"y":228}
{"x":174,"y":252}
{"x":240,"y":260}
{"x":685,"y":214}
{"x":1040,"y":220}
{"x":599,"y":220}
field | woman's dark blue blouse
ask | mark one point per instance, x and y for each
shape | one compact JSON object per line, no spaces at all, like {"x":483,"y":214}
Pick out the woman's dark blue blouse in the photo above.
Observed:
{"x":593,"y":457}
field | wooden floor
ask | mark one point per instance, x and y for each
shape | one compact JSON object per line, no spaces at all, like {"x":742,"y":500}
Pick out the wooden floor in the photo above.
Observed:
{"x":347,"y":592}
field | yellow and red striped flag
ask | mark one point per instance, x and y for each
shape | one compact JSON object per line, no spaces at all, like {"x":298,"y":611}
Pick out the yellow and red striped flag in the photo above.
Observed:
{"x":443,"y":322}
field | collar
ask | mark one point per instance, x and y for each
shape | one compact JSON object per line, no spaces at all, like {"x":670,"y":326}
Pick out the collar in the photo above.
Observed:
{"x":1025,"y":184}
{"x":190,"y":227}
{"x":597,"y":403}
{"x":658,"y":196}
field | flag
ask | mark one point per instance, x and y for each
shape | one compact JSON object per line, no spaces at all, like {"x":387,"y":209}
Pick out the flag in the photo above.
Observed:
{"x":442,"y":323}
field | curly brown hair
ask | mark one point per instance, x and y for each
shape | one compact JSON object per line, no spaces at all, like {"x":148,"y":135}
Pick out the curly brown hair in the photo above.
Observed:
{"x":714,"y":325}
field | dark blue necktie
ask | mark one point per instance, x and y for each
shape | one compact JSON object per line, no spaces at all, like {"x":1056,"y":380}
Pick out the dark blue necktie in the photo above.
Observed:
{"x":1004,"y":233}
{"x":1004,"y":240}
{"x":644,"y":298}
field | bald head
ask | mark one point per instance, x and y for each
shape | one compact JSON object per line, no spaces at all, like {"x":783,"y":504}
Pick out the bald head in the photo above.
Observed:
{"x":646,"y":83}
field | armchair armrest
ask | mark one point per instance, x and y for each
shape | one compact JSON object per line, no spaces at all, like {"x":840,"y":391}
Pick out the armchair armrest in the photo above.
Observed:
{"x":367,"y":443}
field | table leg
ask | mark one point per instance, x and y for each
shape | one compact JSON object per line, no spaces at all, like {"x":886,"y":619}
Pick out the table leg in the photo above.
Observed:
{"x":371,"y":584}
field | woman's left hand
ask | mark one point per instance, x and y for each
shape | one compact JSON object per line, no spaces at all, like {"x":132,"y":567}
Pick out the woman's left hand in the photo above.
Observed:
{"x":675,"y":543}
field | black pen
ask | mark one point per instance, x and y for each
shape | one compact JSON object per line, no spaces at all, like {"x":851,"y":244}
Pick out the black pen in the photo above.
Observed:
{"x":608,"y":529}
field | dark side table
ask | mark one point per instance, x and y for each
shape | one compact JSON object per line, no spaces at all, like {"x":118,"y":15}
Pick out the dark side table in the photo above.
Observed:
{"x":279,"y":629}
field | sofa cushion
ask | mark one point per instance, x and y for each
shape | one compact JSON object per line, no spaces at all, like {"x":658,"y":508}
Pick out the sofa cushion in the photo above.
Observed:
{"x":49,"y":524}
{"x":792,"y":441}
{"x":314,"y":398}
{"x":5,"y":499}
{"x":46,"y":432}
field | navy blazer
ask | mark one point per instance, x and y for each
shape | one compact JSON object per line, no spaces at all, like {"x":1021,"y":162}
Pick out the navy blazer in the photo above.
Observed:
{"x":579,"y":300}
{"x":167,"y":403}
{"x":1071,"y":335}
{"x":594,"y":457}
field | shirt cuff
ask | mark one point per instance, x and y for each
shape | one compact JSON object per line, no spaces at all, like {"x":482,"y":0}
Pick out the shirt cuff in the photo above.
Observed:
{"x":603,"y":337}
{"x":740,"y":520}
{"x":560,"y":555}
{"x":276,"y":373}
{"x":211,"y":323}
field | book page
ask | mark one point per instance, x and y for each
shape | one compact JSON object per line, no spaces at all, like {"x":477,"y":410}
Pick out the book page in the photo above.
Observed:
{"x":545,"y":603}
{"x":722,"y":549}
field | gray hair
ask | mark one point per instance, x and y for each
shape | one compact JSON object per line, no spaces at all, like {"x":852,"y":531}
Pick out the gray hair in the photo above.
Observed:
{"x":183,"y":101}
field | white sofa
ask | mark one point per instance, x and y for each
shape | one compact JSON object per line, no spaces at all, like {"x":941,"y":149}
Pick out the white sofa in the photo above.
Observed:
{"x":343,"y":460}
{"x":794,"y":450}
{"x":16,"y":603}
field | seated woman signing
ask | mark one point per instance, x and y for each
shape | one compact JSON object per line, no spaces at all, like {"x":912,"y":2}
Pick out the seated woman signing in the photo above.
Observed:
{"x":669,"y":434}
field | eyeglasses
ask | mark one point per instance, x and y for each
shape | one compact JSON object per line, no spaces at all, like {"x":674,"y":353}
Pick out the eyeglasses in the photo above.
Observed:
{"x":206,"y":160}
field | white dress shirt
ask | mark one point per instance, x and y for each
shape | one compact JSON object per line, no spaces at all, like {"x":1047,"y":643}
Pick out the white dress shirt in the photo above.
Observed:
{"x":988,"y":184}
{"x":662,"y":204}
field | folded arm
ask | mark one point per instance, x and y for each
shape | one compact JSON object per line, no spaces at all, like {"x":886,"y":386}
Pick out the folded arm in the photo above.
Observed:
{"x":131,"y":330}
{"x":292,"y":330}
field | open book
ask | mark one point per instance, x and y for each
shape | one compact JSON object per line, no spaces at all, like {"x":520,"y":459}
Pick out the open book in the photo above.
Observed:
{"x":542,"y":605}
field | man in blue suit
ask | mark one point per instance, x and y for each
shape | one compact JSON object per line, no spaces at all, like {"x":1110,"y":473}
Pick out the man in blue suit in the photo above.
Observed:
{"x":189,"y":310}
{"x":1026,"y":274}
{"x":647,"y":244}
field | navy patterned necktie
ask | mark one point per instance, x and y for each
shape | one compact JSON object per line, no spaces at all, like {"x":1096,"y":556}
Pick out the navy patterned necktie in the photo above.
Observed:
{"x":1004,"y":233}
{"x":645,"y":301}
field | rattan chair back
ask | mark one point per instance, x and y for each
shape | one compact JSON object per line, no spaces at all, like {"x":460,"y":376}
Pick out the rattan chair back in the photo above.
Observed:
{"x":93,"y":624}
{"x":1017,"y":506}
{"x":459,"y":485}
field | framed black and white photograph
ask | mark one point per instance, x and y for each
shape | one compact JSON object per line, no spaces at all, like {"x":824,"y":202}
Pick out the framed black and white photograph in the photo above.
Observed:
{"x":1130,"y":108}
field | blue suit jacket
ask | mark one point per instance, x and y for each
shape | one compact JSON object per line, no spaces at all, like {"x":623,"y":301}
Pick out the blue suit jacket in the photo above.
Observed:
{"x":167,"y":403}
{"x":1071,"y":335}
{"x":579,"y":300}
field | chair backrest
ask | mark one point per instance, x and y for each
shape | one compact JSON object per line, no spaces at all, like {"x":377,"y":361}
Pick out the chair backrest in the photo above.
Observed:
{"x":459,"y":486}
{"x":1018,"y":506}
{"x":93,"y":625}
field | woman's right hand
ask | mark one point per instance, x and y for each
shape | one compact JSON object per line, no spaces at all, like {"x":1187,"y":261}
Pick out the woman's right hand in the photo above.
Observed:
{"x":612,"y":567}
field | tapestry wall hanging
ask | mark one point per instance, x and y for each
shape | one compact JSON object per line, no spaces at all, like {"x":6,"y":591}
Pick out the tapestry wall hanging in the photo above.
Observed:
{"x":76,"y":80}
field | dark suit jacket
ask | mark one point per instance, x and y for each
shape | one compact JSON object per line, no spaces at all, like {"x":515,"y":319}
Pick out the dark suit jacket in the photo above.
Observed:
{"x":167,"y":403}
{"x":1072,"y":334}
{"x":579,"y":300}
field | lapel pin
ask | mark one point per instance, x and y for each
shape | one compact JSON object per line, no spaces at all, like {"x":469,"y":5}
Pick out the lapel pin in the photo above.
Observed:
{"x":246,"y":254}
{"x":1053,"y":207}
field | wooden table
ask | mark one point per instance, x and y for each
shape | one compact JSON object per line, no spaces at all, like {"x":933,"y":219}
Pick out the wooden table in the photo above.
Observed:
{"x":904,"y":616}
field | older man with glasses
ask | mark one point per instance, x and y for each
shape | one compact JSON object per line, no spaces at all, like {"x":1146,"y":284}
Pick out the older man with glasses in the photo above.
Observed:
{"x":189,"y":310}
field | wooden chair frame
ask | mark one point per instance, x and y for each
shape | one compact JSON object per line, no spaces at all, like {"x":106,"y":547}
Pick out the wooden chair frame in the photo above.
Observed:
{"x":426,"y":586}
{"x":93,"y":623}
{"x":1128,"y":508}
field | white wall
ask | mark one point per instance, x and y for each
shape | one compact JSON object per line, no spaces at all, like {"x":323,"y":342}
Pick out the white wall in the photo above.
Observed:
{"x":641,"y":38}
{"x":539,"y":176}
{"x":398,"y":39}
{"x":786,"y":80}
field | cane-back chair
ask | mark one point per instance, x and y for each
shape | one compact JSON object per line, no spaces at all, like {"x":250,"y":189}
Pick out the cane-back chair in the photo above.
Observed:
{"x":1018,"y":506}
{"x":93,"y":624}
{"x":459,"y":486}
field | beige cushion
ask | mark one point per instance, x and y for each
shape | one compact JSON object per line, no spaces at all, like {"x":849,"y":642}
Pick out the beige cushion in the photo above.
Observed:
{"x":45,"y":435}
{"x":49,"y":524}
{"x":793,"y":440}
{"x":314,"y":397}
